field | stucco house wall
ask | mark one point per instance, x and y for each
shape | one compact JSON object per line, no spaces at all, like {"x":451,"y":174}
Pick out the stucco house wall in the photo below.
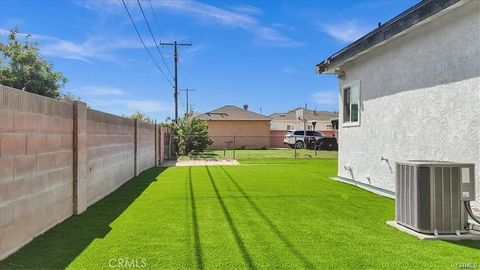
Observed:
{"x":248,"y":133}
{"x":282,"y":125}
{"x":420,"y":99}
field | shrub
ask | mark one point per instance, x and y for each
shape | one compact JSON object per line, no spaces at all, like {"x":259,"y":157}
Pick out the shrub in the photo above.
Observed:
{"x":192,"y":135}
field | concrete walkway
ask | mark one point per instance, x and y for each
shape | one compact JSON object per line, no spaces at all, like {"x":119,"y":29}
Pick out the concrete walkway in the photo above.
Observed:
{"x":199,"y":162}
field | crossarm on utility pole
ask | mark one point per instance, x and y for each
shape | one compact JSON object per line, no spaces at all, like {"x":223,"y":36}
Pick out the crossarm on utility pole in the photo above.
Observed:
{"x":175,"y":44}
{"x":187,"y":90}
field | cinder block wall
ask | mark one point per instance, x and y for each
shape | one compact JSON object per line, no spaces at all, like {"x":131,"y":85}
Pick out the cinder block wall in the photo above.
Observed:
{"x":145,"y":146}
{"x":36,"y":159}
{"x":57,"y":158}
{"x":110,"y":153}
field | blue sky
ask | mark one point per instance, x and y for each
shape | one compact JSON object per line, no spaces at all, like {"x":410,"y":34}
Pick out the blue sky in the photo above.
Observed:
{"x":260,"y":53}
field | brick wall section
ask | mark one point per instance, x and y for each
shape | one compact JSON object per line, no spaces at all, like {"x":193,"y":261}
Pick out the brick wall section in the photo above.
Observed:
{"x":145,"y":146}
{"x":110,"y":156}
{"x":36,"y":146}
{"x":57,"y":158}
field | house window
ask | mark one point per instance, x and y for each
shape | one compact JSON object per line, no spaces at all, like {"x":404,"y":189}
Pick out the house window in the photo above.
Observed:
{"x":290,"y":127}
{"x":351,"y":104}
{"x":309,"y":127}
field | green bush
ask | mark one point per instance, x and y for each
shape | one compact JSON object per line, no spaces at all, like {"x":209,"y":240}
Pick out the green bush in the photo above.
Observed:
{"x":192,"y":135}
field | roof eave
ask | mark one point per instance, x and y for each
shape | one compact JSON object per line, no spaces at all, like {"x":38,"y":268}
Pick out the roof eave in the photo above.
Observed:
{"x":412,"y":18}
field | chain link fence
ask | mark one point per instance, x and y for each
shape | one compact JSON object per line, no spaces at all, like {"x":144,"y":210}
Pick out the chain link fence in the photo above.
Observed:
{"x":244,"y":147}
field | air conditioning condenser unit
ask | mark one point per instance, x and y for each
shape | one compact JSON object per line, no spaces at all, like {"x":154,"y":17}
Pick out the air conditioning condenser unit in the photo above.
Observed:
{"x":430,"y":195}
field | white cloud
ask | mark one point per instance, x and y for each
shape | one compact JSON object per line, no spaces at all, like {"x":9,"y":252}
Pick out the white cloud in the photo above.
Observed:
{"x":91,"y":49}
{"x":118,"y":101}
{"x":96,"y":5}
{"x":97,"y":48}
{"x":131,"y":105}
{"x":347,"y":31}
{"x":283,"y":26}
{"x":240,"y":19}
{"x":101,"y":91}
{"x":326,"y":97}
{"x":248,"y":9}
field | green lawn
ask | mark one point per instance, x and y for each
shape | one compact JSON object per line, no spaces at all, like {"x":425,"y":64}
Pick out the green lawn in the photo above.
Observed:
{"x":277,"y":213}
{"x":265,"y":154}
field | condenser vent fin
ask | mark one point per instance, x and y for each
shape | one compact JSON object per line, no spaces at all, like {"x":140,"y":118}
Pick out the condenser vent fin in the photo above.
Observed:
{"x":447,"y":200}
{"x":424,"y":198}
{"x":438,"y":200}
{"x":456,"y":202}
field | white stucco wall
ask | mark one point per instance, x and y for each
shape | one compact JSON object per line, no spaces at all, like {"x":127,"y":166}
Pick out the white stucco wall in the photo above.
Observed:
{"x":420,"y":99}
{"x":282,"y":124}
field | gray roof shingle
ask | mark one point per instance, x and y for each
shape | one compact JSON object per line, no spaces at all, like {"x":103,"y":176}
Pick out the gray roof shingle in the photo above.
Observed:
{"x":230,"y":112}
{"x":307,"y":114}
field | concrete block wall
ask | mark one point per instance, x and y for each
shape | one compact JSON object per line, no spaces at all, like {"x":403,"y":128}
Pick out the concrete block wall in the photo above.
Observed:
{"x":57,"y":158}
{"x":36,"y":166}
{"x":145,"y":146}
{"x":110,"y":153}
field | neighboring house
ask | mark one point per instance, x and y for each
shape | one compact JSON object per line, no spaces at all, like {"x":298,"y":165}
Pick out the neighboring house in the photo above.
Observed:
{"x":281,"y":122}
{"x":231,"y":125}
{"x":335,"y":126}
{"x":410,"y":89}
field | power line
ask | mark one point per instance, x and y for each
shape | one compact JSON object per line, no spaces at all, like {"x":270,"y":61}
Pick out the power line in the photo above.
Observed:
{"x":154,"y":16}
{"x":154,"y":40}
{"x":144,"y":45}
{"x":157,"y":25}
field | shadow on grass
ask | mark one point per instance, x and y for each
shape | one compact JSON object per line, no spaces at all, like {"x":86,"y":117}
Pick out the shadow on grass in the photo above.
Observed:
{"x":306,"y":263}
{"x":59,"y":246}
{"x":236,"y":234}
{"x":475,"y":244}
{"x":196,"y":234}
{"x":205,"y":154}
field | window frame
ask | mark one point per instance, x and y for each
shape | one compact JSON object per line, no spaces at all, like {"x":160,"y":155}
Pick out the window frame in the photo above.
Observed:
{"x":359,"y":113}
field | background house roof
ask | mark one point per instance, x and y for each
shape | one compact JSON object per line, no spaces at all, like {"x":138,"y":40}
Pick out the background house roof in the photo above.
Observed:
{"x":410,"y":17}
{"x":230,"y":112}
{"x":307,"y":114}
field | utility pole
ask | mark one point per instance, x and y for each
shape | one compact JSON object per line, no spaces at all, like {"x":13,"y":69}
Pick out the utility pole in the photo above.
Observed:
{"x":175,"y":44}
{"x":187,"y":90}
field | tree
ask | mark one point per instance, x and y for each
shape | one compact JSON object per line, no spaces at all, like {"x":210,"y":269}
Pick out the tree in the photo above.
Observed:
{"x":141,"y":117}
{"x":69,"y":97}
{"x":22,"y":67}
{"x":192,"y":135}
